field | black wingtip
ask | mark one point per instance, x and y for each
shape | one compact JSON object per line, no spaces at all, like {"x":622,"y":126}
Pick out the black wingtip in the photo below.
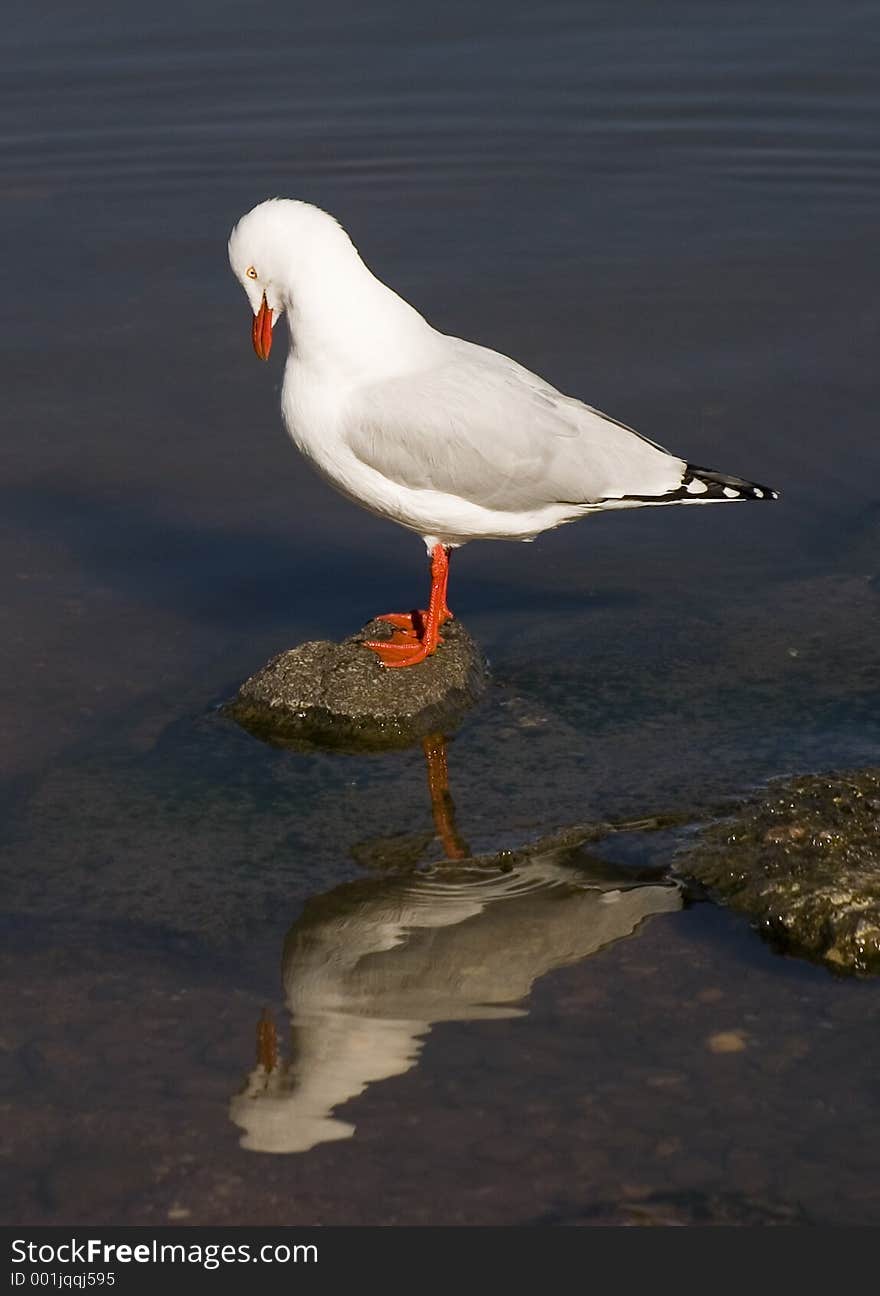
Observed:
{"x":701,"y":486}
{"x":706,"y":483}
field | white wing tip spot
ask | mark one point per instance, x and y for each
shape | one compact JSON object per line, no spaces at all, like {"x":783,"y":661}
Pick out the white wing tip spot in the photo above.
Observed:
{"x":730,"y":493}
{"x":696,"y":487}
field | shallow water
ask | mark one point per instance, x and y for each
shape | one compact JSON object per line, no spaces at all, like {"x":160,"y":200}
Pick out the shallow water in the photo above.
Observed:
{"x":669,"y":212}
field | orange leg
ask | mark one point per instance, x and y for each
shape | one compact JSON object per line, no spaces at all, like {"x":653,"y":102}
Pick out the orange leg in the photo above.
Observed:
{"x":267,"y":1043}
{"x":413,"y":622}
{"x":434,"y":747}
{"x":417,"y":634}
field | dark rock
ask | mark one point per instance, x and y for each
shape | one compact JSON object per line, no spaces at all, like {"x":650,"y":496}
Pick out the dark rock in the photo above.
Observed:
{"x":339,"y":695}
{"x":804,"y":863}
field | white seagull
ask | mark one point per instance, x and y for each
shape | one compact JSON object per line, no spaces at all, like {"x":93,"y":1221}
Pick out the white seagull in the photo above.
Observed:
{"x":450,"y":439}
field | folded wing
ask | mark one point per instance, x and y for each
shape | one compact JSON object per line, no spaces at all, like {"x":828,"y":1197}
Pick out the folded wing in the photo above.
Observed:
{"x":483,"y":428}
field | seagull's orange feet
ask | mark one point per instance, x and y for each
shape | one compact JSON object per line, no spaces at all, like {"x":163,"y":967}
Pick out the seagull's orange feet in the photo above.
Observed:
{"x":417,"y":634}
{"x":412,"y":623}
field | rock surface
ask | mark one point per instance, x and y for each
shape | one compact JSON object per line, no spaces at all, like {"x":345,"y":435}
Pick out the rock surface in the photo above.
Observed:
{"x":804,"y":863}
{"x":339,"y":695}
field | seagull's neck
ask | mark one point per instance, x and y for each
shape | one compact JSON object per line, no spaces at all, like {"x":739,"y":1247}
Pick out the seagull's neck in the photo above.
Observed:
{"x":346,"y":326}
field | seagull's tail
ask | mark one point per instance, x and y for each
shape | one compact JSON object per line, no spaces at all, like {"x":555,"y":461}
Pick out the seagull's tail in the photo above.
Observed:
{"x":706,"y":484}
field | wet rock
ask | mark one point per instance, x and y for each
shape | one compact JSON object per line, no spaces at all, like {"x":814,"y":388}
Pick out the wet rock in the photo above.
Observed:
{"x":339,"y":695}
{"x":804,"y":863}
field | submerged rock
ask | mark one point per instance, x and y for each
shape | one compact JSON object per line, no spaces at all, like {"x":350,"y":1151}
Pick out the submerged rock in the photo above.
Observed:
{"x":804,"y":863}
{"x":324,"y":694}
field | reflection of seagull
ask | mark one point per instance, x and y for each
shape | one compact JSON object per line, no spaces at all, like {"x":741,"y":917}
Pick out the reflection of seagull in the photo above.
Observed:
{"x":369,"y":967}
{"x":450,"y":439}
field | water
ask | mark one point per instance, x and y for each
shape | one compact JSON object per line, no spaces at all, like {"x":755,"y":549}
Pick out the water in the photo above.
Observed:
{"x":668,"y":211}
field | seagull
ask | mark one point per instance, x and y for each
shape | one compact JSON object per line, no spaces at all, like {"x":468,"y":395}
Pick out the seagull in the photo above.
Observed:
{"x":450,"y":439}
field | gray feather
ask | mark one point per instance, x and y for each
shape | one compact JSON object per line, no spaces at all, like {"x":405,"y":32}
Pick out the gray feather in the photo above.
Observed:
{"x":491,"y":432}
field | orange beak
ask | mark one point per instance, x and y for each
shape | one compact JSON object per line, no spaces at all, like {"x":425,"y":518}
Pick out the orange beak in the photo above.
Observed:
{"x":261,"y":330}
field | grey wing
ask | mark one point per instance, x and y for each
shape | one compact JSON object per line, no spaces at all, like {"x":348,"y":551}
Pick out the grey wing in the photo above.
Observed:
{"x":483,"y":428}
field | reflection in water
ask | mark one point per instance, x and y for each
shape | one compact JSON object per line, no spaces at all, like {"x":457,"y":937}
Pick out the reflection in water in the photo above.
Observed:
{"x":369,"y":966}
{"x":442,"y":807}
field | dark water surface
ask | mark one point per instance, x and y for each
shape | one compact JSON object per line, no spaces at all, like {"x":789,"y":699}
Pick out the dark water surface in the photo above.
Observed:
{"x":667,"y":210}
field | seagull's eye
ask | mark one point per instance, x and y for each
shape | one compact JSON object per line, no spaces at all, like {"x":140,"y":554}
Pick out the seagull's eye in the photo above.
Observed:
{"x":251,"y":272}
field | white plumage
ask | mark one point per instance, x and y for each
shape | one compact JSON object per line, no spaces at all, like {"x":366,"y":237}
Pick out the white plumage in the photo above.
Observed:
{"x":450,"y":439}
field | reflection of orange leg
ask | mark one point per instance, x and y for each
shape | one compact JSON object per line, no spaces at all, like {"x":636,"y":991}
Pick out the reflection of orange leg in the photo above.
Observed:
{"x":442,"y":808}
{"x":417,"y":634}
{"x":267,"y":1042}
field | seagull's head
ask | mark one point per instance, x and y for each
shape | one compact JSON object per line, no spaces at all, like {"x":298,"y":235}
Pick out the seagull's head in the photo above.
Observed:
{"x":271,"y":250}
